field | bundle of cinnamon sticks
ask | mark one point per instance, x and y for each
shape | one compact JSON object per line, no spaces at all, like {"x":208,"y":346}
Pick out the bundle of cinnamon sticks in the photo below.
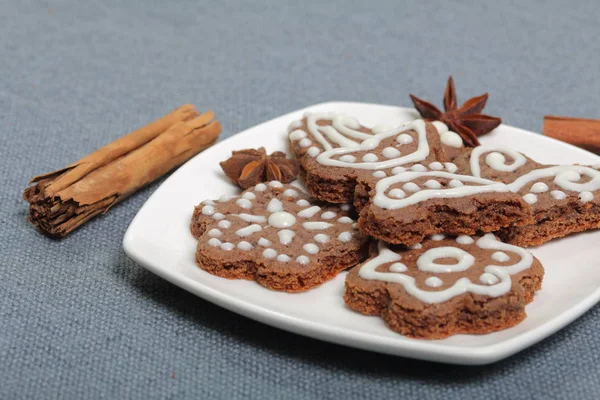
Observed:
{"x":63,"y":200}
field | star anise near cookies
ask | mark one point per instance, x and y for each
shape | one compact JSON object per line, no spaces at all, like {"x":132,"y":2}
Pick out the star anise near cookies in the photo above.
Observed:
{"x":467,"y":120}
{"x":249,"y":167}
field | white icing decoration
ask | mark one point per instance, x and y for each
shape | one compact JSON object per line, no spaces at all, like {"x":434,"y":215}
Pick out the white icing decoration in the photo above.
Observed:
{"x":252,"y":218}
{"x":224,"y":224}
{"x":264,"y":242}
{"x":243,"y":245}
{"x":438,"y":237}
{"x":302,"y":260}
{"x":503,"y":273}
{"x":454,"y":183}
{"x":539,"y":187}
{"x":218,"y":216}
{"x":276,"y":184}
{"x":390,"y":152}
{"x":316,"y":225}
{"x":281,"y":219}
{"x":345,"y":237}
{"x":249,"y":230}
{"x":274,"y":206}
{"x":305,"y":142}
{"x":530,"y":198}
{"x":215,"y":233}
{"x":269,"y":253}
{"x":500,"y":256}
{"x":294,"y":125}
{"x":313,"y":151}
{"x":398,"y":267}
{"x":440,"y":126}
{"x":404,"y":138}
{"x":451,"y":139}
{"x":249,"y":196}
{"x":397,"y":193}
{"x":290,"y":193}
{"x":297,"y":135}
{"x":214,"y":242}
{"x":345,"y":220}
{"x":309,"y":212}
{"x":433,"y":281}
{"x":286,"y":236}
{"x":464,"y":239}
{"x":411,"y":187}
{"x":416,"y":246}
{"x":558,"y":195}
{"x":488,"y":279}
{"x":426,"y":262}
{"x":321,"y":238}
{"x":433,"y":184}
{"x":348,"y":158}
{"x":436,"y":166}
{"x":328,"y":215}
{"x":311,"y":248}
{"x":586,"y":196}
{"x":208,"y":210}
{"x":261,"y":187}
{"x":379,"y":174}
{"x":495,"y":159}
{"x":380,"y":128}
{"x":418,"y":168}
{"x":398,"y":170}
{"x":224,"y":198}
{"x":208,"y":203}
{"x":244,"y":203}
{"x":450,"y":167}
{"x":283,"y":258}
{"x":346,"y":207}
{"x":370,"y":157}
{"x":303,"y":203}
{"x":227,"y":246}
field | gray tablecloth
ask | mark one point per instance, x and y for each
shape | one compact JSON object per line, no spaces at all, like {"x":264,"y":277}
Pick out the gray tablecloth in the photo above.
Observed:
{"x":80,"y":320}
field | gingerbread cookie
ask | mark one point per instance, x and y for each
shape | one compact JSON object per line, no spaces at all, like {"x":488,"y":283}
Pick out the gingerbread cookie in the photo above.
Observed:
{"x":446,"y":286}
{"x":562,"y":199}
{"x":274,"y":234}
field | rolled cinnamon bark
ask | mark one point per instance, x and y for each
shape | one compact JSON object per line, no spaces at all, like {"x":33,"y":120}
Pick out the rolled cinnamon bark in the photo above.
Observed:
{"x":581,"y":132}
{"x":63,"y":200}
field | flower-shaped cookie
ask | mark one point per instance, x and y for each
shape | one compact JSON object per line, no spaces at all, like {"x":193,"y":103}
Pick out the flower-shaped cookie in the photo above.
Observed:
{"x":275,"y":235}
{"x":446,"y":285}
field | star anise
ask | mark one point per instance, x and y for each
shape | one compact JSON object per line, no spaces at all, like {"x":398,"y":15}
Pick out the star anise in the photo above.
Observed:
{"x":467,"y":120}
{"x":249,"y":167}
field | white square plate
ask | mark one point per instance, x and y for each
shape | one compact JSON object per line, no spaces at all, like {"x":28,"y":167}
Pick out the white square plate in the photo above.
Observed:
{"x":159,"y":239}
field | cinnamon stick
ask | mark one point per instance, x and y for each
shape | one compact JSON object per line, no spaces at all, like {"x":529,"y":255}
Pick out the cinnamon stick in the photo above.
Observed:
{"x":63,"y":200}
{"x":581,"y":132}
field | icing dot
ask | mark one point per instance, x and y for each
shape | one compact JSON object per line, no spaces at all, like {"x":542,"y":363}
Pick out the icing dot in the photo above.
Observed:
{"x":464,"y":239}
{"x":283,"y":258}
{"x":302,"y":260}
{"x":243,"y":245}
{"x":411,"y":187}
{"x":215,"y":233}
{"x":398,"y":170}
{"x":416,"y":246}
{"x":380,"y":128}
{"x":390,"y":152}
{"x":451,"y":139}
{"x":244,"y":203}
{"x":218,"y":216}
{"x":224,"y":224}
{"x":434,"y":281}
{"x":264,"y":242}
{"x":208,"y":202}
{"x":249,"y":230}
{"x":227,"y":246}
{"x":397,"y":267}
{"x":208,"y":210}
{"x":269,"y":253}
{"x":345,"y":207}
{"x":539,"y":187}
{"x":311,"y":248}
{"x":224,"y":198}
{"x":281,"y":219}
{"x":440,"y":126}
{"x":249,"y":196}
{"x":305,"y":142}
{"x":397,"y":193}
{"x":328,"y":215}
{"x":438,"y":237}
{"x":418,"y":168}
{"x":276,"y":184}
{"x":530,"y":198}
{"x":345,"y":237}
{"x":431,"y":184}
{"x":309,"y":212}
{"x":294,"y":125}
{"x":252,"y":218}
{"x":297,"y":135}
{"x":370,"y":157}
{"x":274,"y":206}
{"x":436,"y":166}
{"x":214,"y":242}
{"x":450,"y":167}
{"x":455,"y":183}
{"x":379,"y":174}
{"x":261,"y":187}
{"x":404,"y":138}
{"x":348,"y":158}
{"x":369,"y":144}
{"x":500,"y":256}
{"x":290,"y":193}
{"x":316,"y":225}
{"x":313,"y":151}
{"x":321,"y":238}
{"x":488,"y":279}
{"x":303,"y":203}
{"x":558,"y":195}
{"x":586,"y":196}
{"x":345,"y":220}
{"x":285,"y":236}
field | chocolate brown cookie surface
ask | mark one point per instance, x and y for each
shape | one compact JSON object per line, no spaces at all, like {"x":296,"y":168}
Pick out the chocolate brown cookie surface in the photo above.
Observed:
{"x":275,"y":234}
{"x":445,"y":286}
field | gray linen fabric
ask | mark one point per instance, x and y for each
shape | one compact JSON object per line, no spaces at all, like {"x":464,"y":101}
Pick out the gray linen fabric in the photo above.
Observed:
{"x":80,"y":320}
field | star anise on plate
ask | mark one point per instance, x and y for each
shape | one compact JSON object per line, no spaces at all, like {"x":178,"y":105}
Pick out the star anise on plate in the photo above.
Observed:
{"x":467,"y":120}
{"x":249,"y":167}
